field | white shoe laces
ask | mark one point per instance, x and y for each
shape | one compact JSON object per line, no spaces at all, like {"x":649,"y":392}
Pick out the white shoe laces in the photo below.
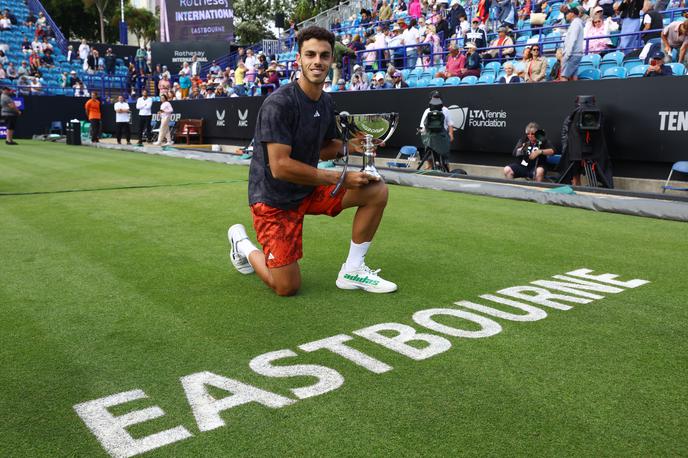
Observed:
{"x":370,"y":271}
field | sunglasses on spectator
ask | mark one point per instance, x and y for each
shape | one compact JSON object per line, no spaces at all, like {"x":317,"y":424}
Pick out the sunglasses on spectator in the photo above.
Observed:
{"x":534,"y":49}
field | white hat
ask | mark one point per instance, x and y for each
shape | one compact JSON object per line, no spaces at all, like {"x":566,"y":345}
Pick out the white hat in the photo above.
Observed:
{"x":454,"y":2}
{"x":379,"y":75}
{"x":357,"y":67}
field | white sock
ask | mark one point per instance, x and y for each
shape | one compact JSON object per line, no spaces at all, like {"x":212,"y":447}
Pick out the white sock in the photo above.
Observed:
{"x":357,"y":252}
{"x":246,"y":247}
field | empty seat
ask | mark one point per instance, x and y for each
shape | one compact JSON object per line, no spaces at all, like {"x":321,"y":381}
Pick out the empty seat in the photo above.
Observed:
{"x":614,"y":72}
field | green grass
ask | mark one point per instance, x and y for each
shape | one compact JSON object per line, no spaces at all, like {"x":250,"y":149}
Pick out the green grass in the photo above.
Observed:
{"x":113,"y":290}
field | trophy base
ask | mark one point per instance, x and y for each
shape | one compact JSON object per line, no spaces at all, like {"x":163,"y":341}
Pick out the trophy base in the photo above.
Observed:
{"x":372,"y":173}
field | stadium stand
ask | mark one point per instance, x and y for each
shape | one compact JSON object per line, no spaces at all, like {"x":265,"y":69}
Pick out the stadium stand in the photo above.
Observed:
{"x":368,"y":42}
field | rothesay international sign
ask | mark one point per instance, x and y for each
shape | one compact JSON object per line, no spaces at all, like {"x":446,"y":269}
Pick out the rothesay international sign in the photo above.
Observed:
{"x":196,"y":20}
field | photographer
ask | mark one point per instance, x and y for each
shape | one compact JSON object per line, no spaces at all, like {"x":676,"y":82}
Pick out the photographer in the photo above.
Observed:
{"x":437,"y":131}
{"x":528,"y":152}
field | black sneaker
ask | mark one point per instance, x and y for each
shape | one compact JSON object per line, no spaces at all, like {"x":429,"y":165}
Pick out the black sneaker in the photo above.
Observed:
{"x":11,"y":142}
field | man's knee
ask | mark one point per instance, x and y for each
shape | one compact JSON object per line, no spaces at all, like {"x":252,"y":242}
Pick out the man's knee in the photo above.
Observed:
{"x":286,"y":281}
{"x":508,"y":172}
{"x":285,"y":290}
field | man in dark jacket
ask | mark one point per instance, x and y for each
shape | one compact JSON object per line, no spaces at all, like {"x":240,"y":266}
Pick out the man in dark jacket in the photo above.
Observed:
{"x":110,"y":62}
{"x":455,"y":12}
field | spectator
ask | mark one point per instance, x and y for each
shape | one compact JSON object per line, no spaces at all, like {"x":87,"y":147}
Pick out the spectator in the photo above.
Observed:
{"x":395,"y":41}
{"x":398,"y":80}
{"x":340,"y":52}
{"x":195,"y":66}
{"x":9,"y":112}
{"x":11,"y":71}
{"x":509,"y":75}
{"x":37,"y":45}
{"x":195,"y":93}
{"x":379,"y":82}
{"x":80,"y":89}
{"x":422,"y":26}
{"x":573,"y":45}
{"x":528,"y":152}
{"x":47,"y":59}
{"x":630,"y":22}
{"x":401,"y":8}
{"x":93,"y":115}
{"x":215,"y":69}
{"x":149,"y":59}
{"x":92,"y":61}
{"x":110,"y":62}
{"x":273,"y":77}
{"x":341,"y":85}
{"x":250,"y":63}
{"x":415,"y":9}
{"x":410,"y":37}
{"x":506,"y":13}
{"x":358,"y":83}
{"x":597,"y":27}
{"x":675,"y":36}
{"x":141,"y":81}
{"x":3,"y":73}
{"x":140,"y":59}
{"x":220,"y":92}
{"x":26,"y":46}
{"x":30,"y":19}
{"x":442,"y":27}
{"x":657,"y":67}
{"x":652,"y":20}
{"x":5,"y":23}
{"x":164,"y":85}
{"x":23,"y":70}
{"x":175,"y":93}
{"x":520,"y":66}
{"x":435,"y":49}
{"x":3,"y":58}
{"x":184,"y":84}
{"x":64,"y":80}
{"x":472,"y":67}
{"x":144,"y":104}
{"x":84,"y":51}
{"x":385,"y":13}
{"x":536,"y":70}
{"x":71,"y":55}
{"x":476,"y":34}
{"x":45,"y":45}
{"x":73,"y":79}
{"x":165,"y":114}
{"x":502,"y":40}
{"x":455,"y":62}
{"x":327,"y":85}
{"x":365,"y":17}
{"x":166,"y":72}
{"x":455,"y":13}
{"x":122,"y":119}
{"x":34,"y":62}
{"x":24,"y":85}
{"x":11,"y":17}
{"x":239,"y":79}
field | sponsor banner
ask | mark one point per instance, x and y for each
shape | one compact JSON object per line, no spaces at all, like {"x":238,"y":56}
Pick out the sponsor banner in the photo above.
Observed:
{"x":174,"y":54}
{"x":196,"y":19}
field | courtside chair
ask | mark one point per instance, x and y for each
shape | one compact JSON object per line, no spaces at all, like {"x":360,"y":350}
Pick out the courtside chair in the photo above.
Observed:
{"x":407,"y":155}
{"x":588,"y":73}
{"x":680,"y":167}
{"x":677,"y":68}
{"x":638,"y":71}
{"x":613,"y":73}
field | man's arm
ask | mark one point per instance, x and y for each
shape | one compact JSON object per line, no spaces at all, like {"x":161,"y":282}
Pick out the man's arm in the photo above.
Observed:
{"x":331,"y":149}
{"x":284,"y":168}
{"x":682,"y":52}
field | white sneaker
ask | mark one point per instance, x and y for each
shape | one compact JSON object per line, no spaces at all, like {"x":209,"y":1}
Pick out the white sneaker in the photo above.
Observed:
{"x":364,"y":278}
{"x":236,"y":234}
{"x":157,"y":143}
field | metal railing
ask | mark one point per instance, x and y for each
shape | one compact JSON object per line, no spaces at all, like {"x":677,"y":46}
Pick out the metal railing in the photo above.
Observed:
{"x":36,"y":6}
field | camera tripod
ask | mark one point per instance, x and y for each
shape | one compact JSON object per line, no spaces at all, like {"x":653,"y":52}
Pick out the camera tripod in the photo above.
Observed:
{"x":437,"y":161}
{"x":592,"y":172}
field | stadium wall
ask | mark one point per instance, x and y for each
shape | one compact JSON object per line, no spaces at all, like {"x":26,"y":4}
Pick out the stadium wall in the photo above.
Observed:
{"x":646,"y":119}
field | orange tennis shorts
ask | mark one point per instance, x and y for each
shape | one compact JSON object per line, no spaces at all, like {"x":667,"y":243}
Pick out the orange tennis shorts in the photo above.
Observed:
{"x":280,"y":231}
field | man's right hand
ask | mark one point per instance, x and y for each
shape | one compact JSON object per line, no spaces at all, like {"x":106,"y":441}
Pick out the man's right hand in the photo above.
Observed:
{"x":355,"y":180}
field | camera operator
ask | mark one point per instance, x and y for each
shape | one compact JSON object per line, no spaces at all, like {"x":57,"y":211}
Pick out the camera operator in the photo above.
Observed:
{"x":437,"y":130}
{"x":528,"y":152}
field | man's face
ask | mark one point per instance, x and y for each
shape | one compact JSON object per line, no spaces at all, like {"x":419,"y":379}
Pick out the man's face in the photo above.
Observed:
{"x":144,"y":94}
{"x":315,"y":59}
{"x":120,"y":99}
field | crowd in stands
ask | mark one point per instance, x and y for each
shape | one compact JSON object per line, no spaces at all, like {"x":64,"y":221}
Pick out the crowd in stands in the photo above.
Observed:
{"x":393,"y":45}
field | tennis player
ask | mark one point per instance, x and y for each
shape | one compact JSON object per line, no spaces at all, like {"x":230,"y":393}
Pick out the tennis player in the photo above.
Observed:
{"x":295,"y":129}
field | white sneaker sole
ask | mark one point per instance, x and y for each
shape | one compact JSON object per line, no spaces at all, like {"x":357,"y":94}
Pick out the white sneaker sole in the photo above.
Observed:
{"x":239,"y":262}
{"x":349,"y":285}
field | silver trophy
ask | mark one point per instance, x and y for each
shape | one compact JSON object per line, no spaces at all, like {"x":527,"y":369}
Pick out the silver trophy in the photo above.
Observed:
{"x":369,"y":130}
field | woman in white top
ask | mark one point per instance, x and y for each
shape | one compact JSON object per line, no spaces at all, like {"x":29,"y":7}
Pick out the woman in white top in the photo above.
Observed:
{"x":165,"y":113}
{"x":84,"y":50}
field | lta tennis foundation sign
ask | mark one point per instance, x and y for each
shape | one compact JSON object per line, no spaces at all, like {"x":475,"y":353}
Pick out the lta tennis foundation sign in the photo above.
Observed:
{"x":529,"y":302}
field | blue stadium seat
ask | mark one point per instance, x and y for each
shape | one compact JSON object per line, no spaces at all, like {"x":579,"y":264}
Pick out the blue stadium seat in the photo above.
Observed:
{"x":588,"y":73}
{"x":469,"y":80}
{"x":638,"y":71}
{"x":436,"y":82}
{"x":452,"y":81}
{"x":630,"y":63}
{"x":677,"y":68}
{"x":487,"y":78}
{"x":423,"y":82}
{"x":405,"y":73}
{"x":418,"y":71}
{"x":614,"y":72}
{"x":412,"y":82}
{"x":593,"y":59}
{"x":494,"y":66}
{"x":520,"y":45}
